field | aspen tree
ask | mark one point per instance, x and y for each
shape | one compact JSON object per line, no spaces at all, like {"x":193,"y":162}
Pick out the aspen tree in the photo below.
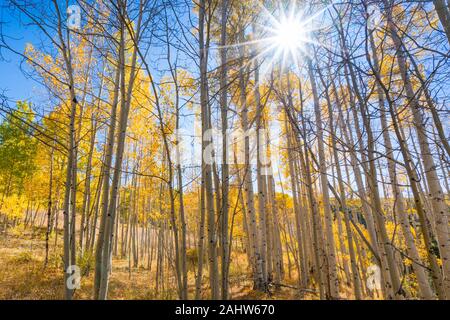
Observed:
{"x":225,"y":168}
{"x":207,"y":171}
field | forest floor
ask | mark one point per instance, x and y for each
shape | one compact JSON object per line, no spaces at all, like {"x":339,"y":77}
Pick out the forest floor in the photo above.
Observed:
{"x":23,"y":275}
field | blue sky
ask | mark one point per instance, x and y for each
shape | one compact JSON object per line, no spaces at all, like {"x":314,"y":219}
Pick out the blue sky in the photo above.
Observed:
{"x":13,"y":82}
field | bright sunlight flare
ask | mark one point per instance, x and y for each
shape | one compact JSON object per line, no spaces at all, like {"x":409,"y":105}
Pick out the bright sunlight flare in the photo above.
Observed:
{"x":289,"y":35}
{"x":284,"y":36}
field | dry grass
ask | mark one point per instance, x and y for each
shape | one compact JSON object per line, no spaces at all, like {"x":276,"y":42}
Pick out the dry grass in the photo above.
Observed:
{"x":23,"y":275}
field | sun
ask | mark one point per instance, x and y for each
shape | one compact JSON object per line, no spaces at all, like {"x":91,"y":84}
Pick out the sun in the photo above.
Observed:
{"x":289,"y":34}
{"x":284,"y":36}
